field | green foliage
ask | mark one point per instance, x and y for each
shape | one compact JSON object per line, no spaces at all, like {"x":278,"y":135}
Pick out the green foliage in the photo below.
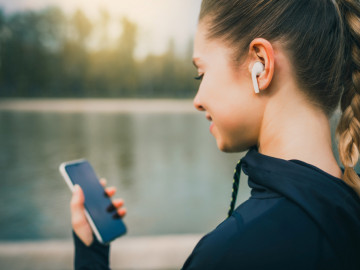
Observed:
{"x":47,"y":54}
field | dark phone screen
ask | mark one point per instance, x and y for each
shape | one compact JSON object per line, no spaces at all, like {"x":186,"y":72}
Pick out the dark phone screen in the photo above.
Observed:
{"x":97,"y":203}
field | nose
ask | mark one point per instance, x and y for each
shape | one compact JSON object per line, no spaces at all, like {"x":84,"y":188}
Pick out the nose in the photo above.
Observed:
{"x":197,"y":103}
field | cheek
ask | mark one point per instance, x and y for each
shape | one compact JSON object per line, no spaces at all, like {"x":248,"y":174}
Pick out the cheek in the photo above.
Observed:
{"x":210,"y":88}
{"x":240,"y":122}
{"x":218,"y":81}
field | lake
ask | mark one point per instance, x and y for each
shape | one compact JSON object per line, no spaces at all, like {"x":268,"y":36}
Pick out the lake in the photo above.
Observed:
{"x":159,"y":154}
{"x":164,"y":164}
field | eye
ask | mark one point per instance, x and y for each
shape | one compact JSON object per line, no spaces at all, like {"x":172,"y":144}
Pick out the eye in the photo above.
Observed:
{"x":199,"y":78}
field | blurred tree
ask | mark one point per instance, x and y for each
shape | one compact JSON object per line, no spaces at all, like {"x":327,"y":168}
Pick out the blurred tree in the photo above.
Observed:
{"x":26,"y":58}
{"x":5,"y":34}
{"x":127,"y":40}
{"x":75,"y":55}
{"x":104,"y":22}
{"x":46,"y":53}
{"x":124,"y":74}
{"x":82,"y":26}
{"x":53,"y":29}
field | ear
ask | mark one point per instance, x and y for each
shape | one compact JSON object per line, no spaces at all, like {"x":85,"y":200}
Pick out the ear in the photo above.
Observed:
{"x":261,"y":50}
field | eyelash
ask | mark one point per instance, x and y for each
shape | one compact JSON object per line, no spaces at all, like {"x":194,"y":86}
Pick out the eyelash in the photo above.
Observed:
{"x":199,"y":78}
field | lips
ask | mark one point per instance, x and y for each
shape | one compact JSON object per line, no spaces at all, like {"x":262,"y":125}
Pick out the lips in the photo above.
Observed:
{"x":208,"y":117}
{"x":211,"y":126}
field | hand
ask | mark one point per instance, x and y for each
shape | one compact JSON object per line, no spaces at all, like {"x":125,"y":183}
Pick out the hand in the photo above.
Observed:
{"x":78,"y":219}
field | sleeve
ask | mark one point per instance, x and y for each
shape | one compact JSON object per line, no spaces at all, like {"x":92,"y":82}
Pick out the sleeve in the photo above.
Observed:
{"x":94,"y":257}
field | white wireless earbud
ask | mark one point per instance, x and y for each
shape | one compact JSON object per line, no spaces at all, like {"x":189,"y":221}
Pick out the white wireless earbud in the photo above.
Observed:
{"x":256,"y":70}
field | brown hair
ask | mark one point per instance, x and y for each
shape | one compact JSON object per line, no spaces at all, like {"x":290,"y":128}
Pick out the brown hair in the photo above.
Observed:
{"x":348,"y":130}
{"x":321,"y":37}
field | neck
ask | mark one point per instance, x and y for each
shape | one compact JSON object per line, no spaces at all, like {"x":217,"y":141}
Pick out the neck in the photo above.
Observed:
{"x":293,"y":129}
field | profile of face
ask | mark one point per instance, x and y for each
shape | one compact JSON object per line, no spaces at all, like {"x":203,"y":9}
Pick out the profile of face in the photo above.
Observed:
{"x":226,"y":94}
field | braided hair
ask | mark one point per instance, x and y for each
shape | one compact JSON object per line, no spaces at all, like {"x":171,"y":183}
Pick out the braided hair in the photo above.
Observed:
{"x":348,"y":130}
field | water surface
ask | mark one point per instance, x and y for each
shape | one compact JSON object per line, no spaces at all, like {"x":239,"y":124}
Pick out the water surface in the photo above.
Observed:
{"x":166,"y":166}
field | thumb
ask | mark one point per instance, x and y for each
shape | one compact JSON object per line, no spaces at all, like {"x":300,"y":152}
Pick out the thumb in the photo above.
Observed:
{"x":77,"y":208}
{"x":78,"y":218}
{"x":77,"y":200}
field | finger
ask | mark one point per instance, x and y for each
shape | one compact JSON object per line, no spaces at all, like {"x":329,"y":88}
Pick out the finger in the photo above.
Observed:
{"x":103,"y":182}
{"x":110,"y":191}
{"x":121,"y":212}
{"x":118,"y":203}
{"x":115,"y":204}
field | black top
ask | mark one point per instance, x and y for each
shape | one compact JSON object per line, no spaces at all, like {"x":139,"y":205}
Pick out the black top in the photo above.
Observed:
{"x":298,"y":217}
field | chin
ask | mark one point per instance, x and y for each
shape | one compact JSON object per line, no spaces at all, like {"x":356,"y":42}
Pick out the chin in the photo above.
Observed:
{"x":228,"y":148}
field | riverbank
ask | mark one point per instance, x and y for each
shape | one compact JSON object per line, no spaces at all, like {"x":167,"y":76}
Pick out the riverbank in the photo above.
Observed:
{"x":151,"y":252}
{"x":99,"y":105}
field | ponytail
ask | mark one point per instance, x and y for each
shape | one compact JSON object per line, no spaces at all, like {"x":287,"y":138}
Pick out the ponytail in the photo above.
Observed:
{"x":348,"y":130}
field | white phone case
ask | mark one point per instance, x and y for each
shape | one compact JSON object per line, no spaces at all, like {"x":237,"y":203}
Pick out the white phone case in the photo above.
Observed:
{"x":71,"y":186}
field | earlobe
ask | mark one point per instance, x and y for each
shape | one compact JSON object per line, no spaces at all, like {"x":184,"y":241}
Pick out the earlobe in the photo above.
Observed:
{"x":261,"y":51}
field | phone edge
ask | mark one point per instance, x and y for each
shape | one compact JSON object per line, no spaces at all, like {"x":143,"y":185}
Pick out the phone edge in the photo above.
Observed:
{"x":71,"y":186}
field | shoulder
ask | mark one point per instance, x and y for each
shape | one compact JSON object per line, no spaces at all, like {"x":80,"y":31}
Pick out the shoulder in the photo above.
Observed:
{"x":275,"y":230}
{"x":261,"y":234}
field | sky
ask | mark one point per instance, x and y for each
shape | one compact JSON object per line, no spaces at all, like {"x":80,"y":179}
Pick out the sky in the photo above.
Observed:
{"x":158,"y":20}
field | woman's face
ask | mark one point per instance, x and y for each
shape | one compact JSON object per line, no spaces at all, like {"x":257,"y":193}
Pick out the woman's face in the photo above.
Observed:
{"x":226,"y":95}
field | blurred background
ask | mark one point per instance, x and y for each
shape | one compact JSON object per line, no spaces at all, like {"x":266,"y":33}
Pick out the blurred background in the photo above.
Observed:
{"x":110,"y":81}
{"x":138,"y":48}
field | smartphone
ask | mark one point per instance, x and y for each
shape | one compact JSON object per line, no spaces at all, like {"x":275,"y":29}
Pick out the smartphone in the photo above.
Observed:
{"x":99,"y":210}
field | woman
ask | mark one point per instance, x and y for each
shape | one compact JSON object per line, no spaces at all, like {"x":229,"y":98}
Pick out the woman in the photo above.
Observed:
{"x":304,"y":57}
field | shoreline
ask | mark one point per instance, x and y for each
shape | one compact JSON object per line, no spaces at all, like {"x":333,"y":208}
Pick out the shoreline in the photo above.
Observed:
{"x":145,"y":252}
{"x":101,"y":105}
